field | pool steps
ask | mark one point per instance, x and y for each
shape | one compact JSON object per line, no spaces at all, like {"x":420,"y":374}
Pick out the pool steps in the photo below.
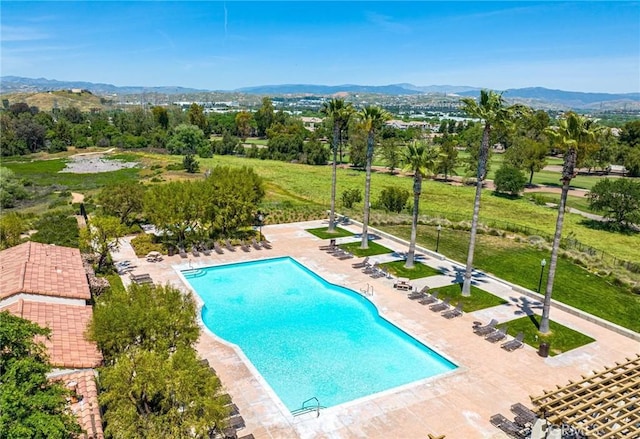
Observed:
{"x":308,"y":408}
{"x":193,"y":272}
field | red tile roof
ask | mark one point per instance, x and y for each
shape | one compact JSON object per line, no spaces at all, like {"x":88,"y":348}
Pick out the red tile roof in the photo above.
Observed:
{"x":67,"y":346}
{"x":43,"y":269}
{"x":85,"y":407}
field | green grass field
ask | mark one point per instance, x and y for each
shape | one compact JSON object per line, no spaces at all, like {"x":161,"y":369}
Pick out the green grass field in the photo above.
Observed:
{"x":479,"y":298}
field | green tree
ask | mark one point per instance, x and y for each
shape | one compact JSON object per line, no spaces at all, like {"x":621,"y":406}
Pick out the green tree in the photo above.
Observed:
{"x":11,"y":188}
{"x":176,"y":208}
{"x":161,"y":117}
{"x":101,"y":236}
{"x":575,"y":135}
{"x":154,"y":384}
{"x":491,"y":109}
{"x":190,"y":164}
{"x":186,"y":139}
{"x":244,"y":121}
{"x":159,"y":318}
{"x":340,"y":113}
{"x":122,"y":199}
{"x":421,"y":159}
{"x":448,"y":159}
{"x":619,"y":199}
{"x":527,"y":154}
{"x":31,"y":406}
{"x":233,"y":196}
{"x":196,"y":117}
{"x":264,"y":116}
{"x":372,"y":119}
{"x":509,"y":179}
{"x":11,"y":227}
{"x":391,"y":153}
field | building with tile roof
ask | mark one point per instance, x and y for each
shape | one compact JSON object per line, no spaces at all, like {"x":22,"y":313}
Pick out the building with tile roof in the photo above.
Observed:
{"x":48,"y":285}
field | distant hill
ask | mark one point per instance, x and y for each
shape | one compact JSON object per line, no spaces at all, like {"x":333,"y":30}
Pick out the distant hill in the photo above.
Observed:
{"x":14,"y":84}
{"x":328,"y":89}
{"x":537,"y":97}
{"x":571,"y":99}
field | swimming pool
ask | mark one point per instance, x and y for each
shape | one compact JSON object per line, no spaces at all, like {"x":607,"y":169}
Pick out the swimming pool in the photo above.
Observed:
{"x":307,"y":337}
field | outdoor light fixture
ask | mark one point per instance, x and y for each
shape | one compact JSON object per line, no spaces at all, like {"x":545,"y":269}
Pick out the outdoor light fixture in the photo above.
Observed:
{"x":542,"y":265}
{"x":438,"y":228}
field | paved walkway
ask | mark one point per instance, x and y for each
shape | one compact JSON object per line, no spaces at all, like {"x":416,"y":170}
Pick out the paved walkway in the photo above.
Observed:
{"x":459,"y":404}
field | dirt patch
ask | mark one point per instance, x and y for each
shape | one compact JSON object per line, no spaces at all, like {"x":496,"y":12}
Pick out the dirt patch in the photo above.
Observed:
{"x":93,"y":162}
{"x":77,"y":198}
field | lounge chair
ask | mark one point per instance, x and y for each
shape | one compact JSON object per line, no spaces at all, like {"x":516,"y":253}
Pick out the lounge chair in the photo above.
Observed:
{"x":377,"y":273}
{"x":428,"y":299}
{"x":183,"y":254}
{"x":228,"y":245}
{"x":195,"y":251}
{"x":514,"y":344}
{"x":141,"y":278}
{"x":498,"y":335}
{"x":255,"y":244}
{"x":217,"y":248}
{"x":236,"y":421}
{"x":332,"y":244}
{"x":441,"y":306}
{"x":265,"y":244}
{"x":452,"y":313}
{"x":361,"y":264}
{"x":524,"y":415}
{"x":205,"y":249}
{"x":414,"y":295}
{"x":507,"y":426}
{"x":346,"y":255}
{"x":244,"y":247}
{"x":370,"y":268}
{"x":486,"y":329}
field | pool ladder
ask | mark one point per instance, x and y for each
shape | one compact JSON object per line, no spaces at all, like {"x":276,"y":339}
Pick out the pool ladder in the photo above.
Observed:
{"x":368,"y":291}
{"x":308,"y":408}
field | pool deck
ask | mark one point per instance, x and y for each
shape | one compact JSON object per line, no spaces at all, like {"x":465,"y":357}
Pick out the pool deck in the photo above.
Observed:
{"x":457,"y":404}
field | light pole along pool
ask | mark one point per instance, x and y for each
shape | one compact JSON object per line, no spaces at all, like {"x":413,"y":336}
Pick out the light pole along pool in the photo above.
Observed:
{"x":542,"y":264}
{"x":438,"y":228}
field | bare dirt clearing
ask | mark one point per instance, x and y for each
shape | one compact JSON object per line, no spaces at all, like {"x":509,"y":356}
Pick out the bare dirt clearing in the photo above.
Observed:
{"x":93,"y":162}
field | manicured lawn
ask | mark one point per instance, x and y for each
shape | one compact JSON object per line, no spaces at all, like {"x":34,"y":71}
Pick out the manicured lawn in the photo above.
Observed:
{"x":519,"y":263}
{"x":419,"y":270}
{"x":479,"y":299}
{"x":561,"y":338}
{"x":374,"y":249}
{"x":322,"y":233}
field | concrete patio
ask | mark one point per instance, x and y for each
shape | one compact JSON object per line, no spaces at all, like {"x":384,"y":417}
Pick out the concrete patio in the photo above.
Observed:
{"x":459,"y":404}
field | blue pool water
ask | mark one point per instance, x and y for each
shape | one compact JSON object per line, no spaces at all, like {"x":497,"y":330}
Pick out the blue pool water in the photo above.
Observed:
{"x":307,"y":337}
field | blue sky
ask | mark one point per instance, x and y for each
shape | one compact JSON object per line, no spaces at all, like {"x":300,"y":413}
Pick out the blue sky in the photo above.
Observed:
{"x":580,"y":46}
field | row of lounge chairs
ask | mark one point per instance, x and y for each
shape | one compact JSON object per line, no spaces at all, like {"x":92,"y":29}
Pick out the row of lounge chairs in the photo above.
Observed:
{"x":491,"y":333}
{"x":206,"y":249}
{"x":423,"y":297}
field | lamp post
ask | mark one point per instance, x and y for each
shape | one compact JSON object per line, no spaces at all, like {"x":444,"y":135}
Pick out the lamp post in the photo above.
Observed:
{"x":260,"y":218}
{"x":438,"y":228}
{"x":542,"y":264}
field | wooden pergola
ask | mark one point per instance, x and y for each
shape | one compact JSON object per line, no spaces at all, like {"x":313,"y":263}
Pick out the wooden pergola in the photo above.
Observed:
{"x":604,"y":405}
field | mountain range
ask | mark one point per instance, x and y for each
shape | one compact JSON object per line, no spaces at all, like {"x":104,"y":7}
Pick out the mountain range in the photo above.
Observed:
{"x":534,"y":96}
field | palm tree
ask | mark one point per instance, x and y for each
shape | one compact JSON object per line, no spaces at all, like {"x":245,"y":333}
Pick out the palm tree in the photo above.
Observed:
{"x":340,"y":112}
{"x":492,"y":111}
{"x":575,"y":135}
{"x":420,"y":158}
{"x":371,"y":119}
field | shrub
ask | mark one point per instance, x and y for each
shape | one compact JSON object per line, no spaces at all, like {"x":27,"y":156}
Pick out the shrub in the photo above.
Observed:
{"x":394,"y":199}
{"x":509,"y":179}
{"x":190,"y":164}
{"x":350,"y":197}
{"x":143,"y":244}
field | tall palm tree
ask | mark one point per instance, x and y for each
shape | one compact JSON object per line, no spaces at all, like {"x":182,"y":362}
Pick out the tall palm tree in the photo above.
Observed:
{"x":575,"y":135}
{"x":422,"y":159}
{"x":371,"y":119}
{"x":340,"y":112}
{"x":491,"y":109}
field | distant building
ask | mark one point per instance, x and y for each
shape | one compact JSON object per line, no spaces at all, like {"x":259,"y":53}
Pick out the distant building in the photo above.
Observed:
{"x":311,"y":123}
